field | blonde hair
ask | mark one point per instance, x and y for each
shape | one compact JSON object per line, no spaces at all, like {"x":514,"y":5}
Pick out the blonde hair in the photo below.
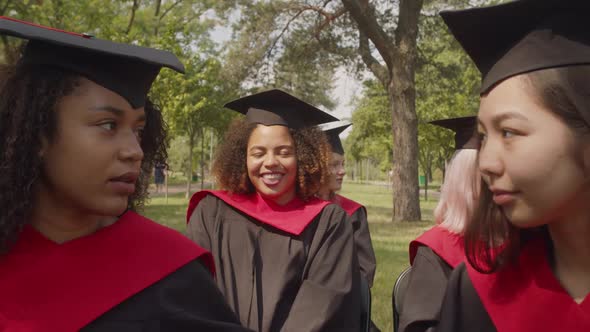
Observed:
{"x":460,"y":192}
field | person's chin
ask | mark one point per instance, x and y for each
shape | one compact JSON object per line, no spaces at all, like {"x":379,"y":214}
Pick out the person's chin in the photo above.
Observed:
{"x":523,"y":219}
{"x":114,"y":206}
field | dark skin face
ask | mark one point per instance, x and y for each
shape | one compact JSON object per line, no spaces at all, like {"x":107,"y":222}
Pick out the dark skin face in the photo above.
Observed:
{"x":272,"y":163}
{"x":91,"y":165}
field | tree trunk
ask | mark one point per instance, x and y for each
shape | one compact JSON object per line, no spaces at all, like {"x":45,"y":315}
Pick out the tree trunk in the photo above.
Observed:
{"x":397,"y":76}
{"x":211,"y":153}
{"x":426,"y":188}
{"x":202,"y":158}
{"x":404,"y":124}
{"x":191,"y":145}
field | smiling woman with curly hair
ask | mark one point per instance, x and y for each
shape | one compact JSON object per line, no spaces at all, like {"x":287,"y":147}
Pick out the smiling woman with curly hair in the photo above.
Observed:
{"x":78,"y":140}
{"x":229,"y":167}
{"x":285,"y":258}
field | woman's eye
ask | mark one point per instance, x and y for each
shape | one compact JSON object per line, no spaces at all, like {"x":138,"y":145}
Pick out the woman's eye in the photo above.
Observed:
{"x":507,"y":133}
{"x":108,"y":125}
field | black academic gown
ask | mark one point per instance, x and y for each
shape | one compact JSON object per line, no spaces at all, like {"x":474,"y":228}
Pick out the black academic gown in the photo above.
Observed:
{"x":277,"y":281}
{"x":364,"y":245}
{"x":462,"y":310}
{"x":362,"y":237}
{"x":433,"y":256}
{"x":186,"y":300}
{"x":422,"y":300}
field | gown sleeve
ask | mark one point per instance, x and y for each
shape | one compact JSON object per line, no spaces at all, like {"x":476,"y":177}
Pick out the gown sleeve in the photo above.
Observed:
{"x":186,"y":300}
{"x":197,"y":228}
{"x":462,"y":309}
{"x":364,"y":246}
{"x":424,"y":294}
{"x":329,"y":296}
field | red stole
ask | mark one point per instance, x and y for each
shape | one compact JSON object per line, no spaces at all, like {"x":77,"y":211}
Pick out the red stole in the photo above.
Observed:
{"x":527,"y":296}
{"x":447,"y":245}
{"x":292,"y":218}
{"x":46,"y":286}
{"x":346,"y":204}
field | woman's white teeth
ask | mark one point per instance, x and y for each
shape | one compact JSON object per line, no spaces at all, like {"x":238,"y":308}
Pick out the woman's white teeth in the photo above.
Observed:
{"x":273,"y":176}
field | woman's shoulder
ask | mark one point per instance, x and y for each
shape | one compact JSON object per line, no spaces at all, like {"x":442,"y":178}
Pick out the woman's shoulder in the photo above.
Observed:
{"x":171,"y":303}
{"x":333,"y":212}
{"x":332,"y":216}
{"x":462,"y":309}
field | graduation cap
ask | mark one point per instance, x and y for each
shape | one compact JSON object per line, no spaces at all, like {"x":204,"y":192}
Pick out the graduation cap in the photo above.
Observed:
{"x":276,"y":107}
{"x":464,"y":128}
{"x":128,"y":70}
{"x":333,"y":135}
{"x":522,"y":36}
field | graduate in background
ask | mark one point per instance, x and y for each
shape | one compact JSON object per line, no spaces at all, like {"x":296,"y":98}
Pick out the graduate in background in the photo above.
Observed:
{"x":356,"y":212}
{"x":528,"y":246}
{"x":78,"y":141}
{"x":434,"y":254}
{"x":286,"y":259}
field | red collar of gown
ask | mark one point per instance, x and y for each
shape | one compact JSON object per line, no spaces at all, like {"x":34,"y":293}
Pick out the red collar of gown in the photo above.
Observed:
{"x":46,"y":286}
{"x":292,"y":218}
{"x":527,"y":297}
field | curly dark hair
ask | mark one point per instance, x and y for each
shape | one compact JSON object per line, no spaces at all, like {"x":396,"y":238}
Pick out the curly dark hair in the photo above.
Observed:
{"x":28,"y":97}
{"x":312,"y":150}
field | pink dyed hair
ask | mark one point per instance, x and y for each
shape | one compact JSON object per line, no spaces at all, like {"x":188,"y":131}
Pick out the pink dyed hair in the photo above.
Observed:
{"x":460,"y":191}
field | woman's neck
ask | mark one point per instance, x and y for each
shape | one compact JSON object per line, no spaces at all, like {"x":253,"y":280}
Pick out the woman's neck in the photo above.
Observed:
{"x":61,"y":223}
{"x":571,"y":252}
{"x":326,"y":195}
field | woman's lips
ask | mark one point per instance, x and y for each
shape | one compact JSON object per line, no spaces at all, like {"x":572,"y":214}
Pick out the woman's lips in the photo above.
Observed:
{"x":502,"y":197}
{"x":124,"y":184}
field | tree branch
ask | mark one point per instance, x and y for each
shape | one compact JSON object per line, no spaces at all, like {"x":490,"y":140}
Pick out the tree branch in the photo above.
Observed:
{"x":373,"y":64}
{"x":364,"y":16}
{"x":165,"y":12}
{"x":157,"y":17}
{"x":132,"y":18}
{"x":329,"y":19}
{"x":285,"y":28}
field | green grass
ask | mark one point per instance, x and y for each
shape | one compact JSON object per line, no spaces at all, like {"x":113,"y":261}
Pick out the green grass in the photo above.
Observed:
{"x":390,"y":240}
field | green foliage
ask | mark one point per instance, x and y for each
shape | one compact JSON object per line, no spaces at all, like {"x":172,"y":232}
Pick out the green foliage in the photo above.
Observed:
{"x":178,"y":154}
{"x":274,"y":46}
{"x":370,"y":137}
{"x":447,"y":86}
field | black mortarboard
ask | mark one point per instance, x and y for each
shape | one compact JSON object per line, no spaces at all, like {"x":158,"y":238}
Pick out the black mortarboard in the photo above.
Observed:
{"x":522,"y":36}
{"x":128,"y":70}
{"x":465,"y":131}
{"x":333,"y":135}
{"x":276,"y":107}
